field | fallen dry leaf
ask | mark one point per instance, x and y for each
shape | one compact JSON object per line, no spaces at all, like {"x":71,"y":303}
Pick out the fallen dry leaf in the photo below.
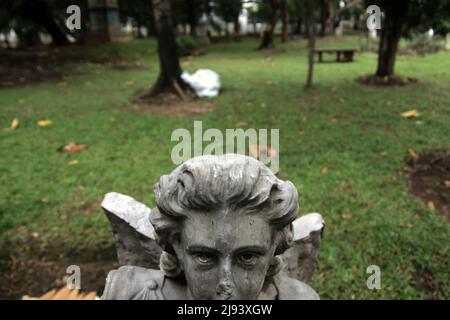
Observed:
{"x":64,"y":294}
{"x":129,"y":83}
{"x":48,"y":295}
{"x":73,"y":162}
{"x":407,"y":169}
{"x":72,"y":147}
{"x":263,"y":152}
{"x":324,"y":170}
{"x":447,"y":183}
{"x":405,"y":225}
{"x":413,"y":154}
{"x":14,"y":125}
{"x":346,"y":216}
{"x":241,"y":124}
{"x":410,"y":114}
{"x":90,"y":296}
{"x":430,"y":205}
{"x":74,"y":294}
{"x":44,"y":123}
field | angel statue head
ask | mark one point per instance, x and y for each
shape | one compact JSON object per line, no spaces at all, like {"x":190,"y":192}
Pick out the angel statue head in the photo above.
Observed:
{"x":223,"y":228}
{"x":222,"y":221}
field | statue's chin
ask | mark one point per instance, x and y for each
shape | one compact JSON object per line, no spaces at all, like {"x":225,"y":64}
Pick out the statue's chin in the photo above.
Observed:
{"x":222,"y":296}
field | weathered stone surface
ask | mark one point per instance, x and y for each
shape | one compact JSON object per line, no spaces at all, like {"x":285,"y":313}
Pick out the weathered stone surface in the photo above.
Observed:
{"x":134,"y":234}
{"x":301,"y":259}
{"x":224,"y":225}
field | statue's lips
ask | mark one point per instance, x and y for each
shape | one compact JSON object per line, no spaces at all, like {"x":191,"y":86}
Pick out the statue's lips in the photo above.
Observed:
{"x":226,"y":296}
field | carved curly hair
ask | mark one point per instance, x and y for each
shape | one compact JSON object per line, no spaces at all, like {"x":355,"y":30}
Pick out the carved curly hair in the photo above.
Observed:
{"x":207,"y":183}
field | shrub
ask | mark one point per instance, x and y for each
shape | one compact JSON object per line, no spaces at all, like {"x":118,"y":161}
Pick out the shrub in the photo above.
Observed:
{"x":187,"y":45}
{"x":423,"y":44}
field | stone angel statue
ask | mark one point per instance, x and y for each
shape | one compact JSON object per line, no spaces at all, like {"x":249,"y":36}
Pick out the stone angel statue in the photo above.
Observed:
{"x":224,"y":227}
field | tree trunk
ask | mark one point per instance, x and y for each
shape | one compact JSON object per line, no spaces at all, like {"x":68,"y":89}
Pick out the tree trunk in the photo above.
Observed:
{"x":298,"y":28}
{"x":192,"y":17}
{"x":267,"y":36}
{"x":170,"y":70}
{"x":139,"y":33}
{"x":284,"y":21}
{"x":311,"y":40}
{"x":325,"y":17}
{"x":58,"y":36}
{"x":227,"y":32}
{"x":395,"y":15}
{"x":236,"y":28}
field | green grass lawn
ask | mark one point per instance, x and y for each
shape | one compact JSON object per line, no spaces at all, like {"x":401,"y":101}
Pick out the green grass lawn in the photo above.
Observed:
{"x":355,"y":131}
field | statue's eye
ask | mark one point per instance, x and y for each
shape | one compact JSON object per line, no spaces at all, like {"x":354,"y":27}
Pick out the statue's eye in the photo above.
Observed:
{"x":248,"y":259}
{"x":204,"y":258}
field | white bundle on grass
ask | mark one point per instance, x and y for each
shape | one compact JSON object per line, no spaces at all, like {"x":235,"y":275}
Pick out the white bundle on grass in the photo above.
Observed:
{"x":205,"y":82}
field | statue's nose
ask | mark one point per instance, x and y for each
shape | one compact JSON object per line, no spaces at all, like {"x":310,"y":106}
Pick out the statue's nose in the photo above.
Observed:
{"x":225,"y":287}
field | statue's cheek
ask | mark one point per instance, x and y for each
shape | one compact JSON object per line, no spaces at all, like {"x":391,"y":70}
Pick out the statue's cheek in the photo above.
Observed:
{"x":248,"y":282}
{"x":201,"y":282}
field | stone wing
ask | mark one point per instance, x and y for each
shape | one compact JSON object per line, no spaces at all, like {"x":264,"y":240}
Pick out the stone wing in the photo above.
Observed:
{"x":302,"y":258}
{"x":133,"y":232}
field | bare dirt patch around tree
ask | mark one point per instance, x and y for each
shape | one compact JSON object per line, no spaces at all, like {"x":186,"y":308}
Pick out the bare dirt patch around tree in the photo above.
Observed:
{"x":33,"y":268}
{"x":372,"y":80}
{"x":170,"y":104}
{"x":424,"y":281}
{"x":428,"y":176}
{"x":20,"y":67}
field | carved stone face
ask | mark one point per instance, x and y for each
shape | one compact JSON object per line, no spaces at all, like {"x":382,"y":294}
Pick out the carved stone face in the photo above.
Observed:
{"x":225,"y":255}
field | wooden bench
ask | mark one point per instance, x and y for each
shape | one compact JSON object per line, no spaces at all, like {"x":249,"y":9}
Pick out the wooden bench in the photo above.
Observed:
{"x":342,"y":55}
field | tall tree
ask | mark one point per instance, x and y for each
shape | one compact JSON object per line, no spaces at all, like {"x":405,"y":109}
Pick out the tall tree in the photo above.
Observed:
{"x":396,"y":13}
{"x":284,"y":20}
{"x":236,"y":28}
{"x":141,"y":12}
{"x":192,"y":16}
{"x":311,"y":40}
{"x":229,"y":11}
{"x":326,"y":22}
{"x":296,"y":10}
{"x":270,"y":9}
{"x":402,"y":18}
{"x":170,"y":69}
